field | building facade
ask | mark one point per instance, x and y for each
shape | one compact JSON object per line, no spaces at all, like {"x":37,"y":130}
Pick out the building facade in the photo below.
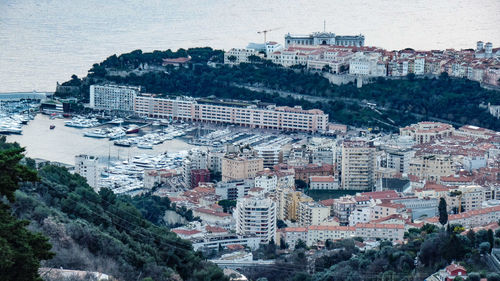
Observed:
{"x":256,"y":216}
{"x":238,"y":113}
{"x":324,"y":38}
{"x":113,"y":97}
{"x":86,"y":166}
{"x":358,"y":165}
{"x":237,"y":168}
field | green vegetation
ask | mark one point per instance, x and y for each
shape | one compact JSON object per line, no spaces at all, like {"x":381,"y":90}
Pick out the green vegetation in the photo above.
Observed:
{"x":20,"y":249}
{"x":443,"y":213}
{"x":399,"y":101}
{"x":318,"y":195}
{"x":88,"y":231}
{"x":428,"y":250}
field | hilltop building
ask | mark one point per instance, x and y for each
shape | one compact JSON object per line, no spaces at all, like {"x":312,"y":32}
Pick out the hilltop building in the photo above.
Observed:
{"x":324,"y":38}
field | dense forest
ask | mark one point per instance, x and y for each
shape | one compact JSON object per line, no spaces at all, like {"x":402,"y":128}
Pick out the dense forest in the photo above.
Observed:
{"x":87,"y":230}
{"x":399,"y":102}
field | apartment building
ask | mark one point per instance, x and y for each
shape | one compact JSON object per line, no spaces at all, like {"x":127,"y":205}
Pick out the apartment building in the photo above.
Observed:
{"x":386,"y":209}
{"x":288,"y":201}
{"x":391,"y":232}
{"x":312,"y":213}
{"x":233,"y":189}
{"x":431,"y":167}
{"x":270,"y":154}
{"x":113,"y":97}
{"x":227,"y":112}
{"x":318,"y":234}
{"x":86,"y":166}
{"x":238,"y":167}
{"x":342,"y":208}
{"x":292,"y":235}
{"x":307,"y":171}
{"x":471,"y":218}
{"x":256,"y":216}
{"x":399,"y":158}
{"x":358,"y":165}
{"x":237,"y":56}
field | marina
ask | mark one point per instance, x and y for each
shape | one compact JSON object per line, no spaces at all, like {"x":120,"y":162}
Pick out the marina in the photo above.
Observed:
{"x":14,"y":115}
{"x":127,"y":176}
{"x":62,"y":143}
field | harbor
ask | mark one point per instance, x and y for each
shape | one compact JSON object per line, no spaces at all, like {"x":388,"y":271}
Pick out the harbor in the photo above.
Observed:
{"x":62,"y":143}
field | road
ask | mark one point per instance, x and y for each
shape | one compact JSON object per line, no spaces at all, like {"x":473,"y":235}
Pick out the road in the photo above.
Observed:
{"x":360,"y":103}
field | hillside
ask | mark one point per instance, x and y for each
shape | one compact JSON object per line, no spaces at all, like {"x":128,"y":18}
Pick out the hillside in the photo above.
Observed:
{"x":399,"y":102}
{"x":102,"y":232}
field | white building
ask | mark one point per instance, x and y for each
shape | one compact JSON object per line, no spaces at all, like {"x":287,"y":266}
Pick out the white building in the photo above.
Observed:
{"x":360,"y":215}
{"x":239,"y":55}
{"x":323,"y":183}
{"x":267,"y":181}
{"x":419,"y":66}
{"x":234,"y":189}
{"x":358,"y":165}
{"x":256,"y":216}
{"x":272,"y":47}
{"x":324,"y":38}
{"x":368,"y":64}
{"x":270,"y":154}
{"x":113,"y":97}
{"x":227,"y":112}
{"x":86,"y":166}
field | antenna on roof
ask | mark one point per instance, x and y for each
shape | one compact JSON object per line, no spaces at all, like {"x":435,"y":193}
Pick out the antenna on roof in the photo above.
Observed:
{"x":324,"y":25}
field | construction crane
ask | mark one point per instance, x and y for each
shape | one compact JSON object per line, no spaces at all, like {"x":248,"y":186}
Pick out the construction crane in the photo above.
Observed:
{"x":266,"y":31}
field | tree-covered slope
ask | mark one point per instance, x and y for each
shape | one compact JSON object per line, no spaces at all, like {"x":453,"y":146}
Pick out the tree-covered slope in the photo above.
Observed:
{"x":95,"y":231}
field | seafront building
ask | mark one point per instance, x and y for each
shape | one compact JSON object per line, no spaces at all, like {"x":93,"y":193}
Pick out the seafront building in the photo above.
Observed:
{"x":253,"y":115}
{"x":113,"y":97}
{"x":240,"y":113}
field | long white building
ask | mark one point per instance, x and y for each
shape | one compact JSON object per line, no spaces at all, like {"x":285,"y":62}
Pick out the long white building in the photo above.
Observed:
{"x":238,"y":113}
{"x":266,"y":116}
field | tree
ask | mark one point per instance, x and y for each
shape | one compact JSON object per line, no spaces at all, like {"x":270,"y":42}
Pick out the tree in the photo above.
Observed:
{"x":472,"y":237}
{"x":474,"y":276}
{"x":327,"y":68}
{"x":443,"y":213}
{"x":491,"y":239}
{"x":281,"y":224}
{"x":254,"y":59}
{"x":21,"y":250}
{"x":231,"y":58}
{"x":300,"y":184}
{"x":300,"y":244}
{"x":493,"y":277}
{"x":484,"y":247}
